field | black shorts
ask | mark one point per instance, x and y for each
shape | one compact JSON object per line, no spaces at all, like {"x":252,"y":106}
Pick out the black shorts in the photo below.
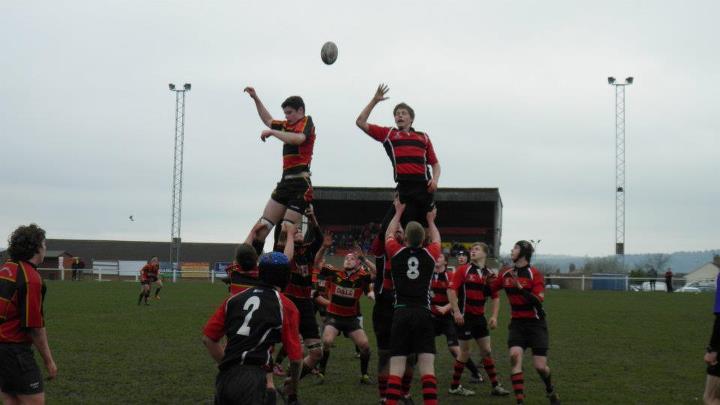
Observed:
{"x":474,"y":327}
{"x":19,"y":373}
{"x":345,"y":324}
{"x":445,"y":325}
{"x":295,"y":194}
{"x":308,"y":322}
{"x":149,"y":280}
{"x":412,"y":332}
{"x":532,"y":333}
{"x":418,"y":201}
{"x":241,"y":385}
{"x":382,"y":318}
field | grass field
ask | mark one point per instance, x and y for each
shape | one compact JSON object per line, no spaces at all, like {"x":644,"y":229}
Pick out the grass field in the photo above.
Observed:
{"x":606,"y":348}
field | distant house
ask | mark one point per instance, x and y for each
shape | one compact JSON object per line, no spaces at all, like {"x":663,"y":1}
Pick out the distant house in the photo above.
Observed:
{"x":707,"y":271}
{"x":54,"y":259}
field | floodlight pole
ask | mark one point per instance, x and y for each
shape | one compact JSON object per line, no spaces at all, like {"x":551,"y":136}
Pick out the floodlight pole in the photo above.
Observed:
{"x":620,"y":186}
{"x":175,"y":239}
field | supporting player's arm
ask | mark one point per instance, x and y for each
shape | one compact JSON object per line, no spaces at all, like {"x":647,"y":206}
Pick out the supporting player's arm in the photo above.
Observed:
{"x":379,"y":96}
{"x":290,"y":229}
{"x":40,"y":341}
{"x":433,"y":230}
{"x":213,"y":332}
{"x":265,"y":116}
{"x":290,"y":337}
{"x":394,"y":224}
{"x":456,"y":282}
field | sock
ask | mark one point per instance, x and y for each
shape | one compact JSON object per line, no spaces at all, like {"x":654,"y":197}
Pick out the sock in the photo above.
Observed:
{"x":518,"y":384}
{"x":305,"y":370}
{"x":548,"y":383}
{"x":394,"y":390}
{"x":270,"y":396}
{"x":157,"y":291}
{"x":470,"y":365}
{"x":364,"y":361}
{"x":357,"y":349}
{"x":429,"y":389}
{"x":258,"y":245}
{"x":406,"y":381}
{"x":489,"y":365}
{"x":324,"y":360}
{"x":281,"y":355}
{"x":382,"y":385}
{"x":457,"y":373}
{"x":147,"y":294}
{"x":142,"y":294}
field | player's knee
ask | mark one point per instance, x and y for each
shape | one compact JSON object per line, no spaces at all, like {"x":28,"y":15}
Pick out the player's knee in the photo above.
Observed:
{"x":515,"y":357}
{"x":315,"y":350}
{"x":268,"y":224}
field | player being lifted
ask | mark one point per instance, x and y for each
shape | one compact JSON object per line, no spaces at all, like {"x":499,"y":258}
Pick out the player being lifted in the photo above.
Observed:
{"x":442,"y":313}
{"x":525,"y":288}
{"x":149,"y":274}
{"x":412,"y":326}
{"x":293,"y":193}
{"x":410,"y":153}
{"x":344,"y":289}
{"x":468,"y":291}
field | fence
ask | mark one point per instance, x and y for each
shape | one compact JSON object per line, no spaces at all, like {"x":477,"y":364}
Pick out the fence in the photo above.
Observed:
{"x":597,"y":282}
{"x":107,"y":273}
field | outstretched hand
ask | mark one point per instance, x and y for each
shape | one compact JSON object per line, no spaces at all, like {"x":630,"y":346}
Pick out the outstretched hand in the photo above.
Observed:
{"x":399,"y":207}
{"x":380,"y":93}
{"x":264,"y":135}
{"x":251,"y":92}
{"x":431,"y":215}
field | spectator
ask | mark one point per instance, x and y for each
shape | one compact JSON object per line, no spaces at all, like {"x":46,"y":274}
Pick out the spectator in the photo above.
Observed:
{"x":668,"y":279}
{"x":75,"y":268}
{"x":652,"y":275}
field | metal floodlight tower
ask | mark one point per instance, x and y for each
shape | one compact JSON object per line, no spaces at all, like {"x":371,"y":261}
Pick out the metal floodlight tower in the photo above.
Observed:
{"x":175,"y":239}
{"x":620,"y":166}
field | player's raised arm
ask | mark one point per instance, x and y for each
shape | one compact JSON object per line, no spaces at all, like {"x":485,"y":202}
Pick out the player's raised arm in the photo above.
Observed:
{"x":264,"y":114}
{"x":433,"y":231}
{"x":379,"y":96}
{"x":395,"y":222}
{"x":289,"y":229}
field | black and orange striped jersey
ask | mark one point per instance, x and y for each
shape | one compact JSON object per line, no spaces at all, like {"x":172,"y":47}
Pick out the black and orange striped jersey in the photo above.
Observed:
{"x":297,"y":158}
{"x":150,"y":271}
{"x":241,"y":280}
{"x":301,"y":283}
{"x":344,"y":289}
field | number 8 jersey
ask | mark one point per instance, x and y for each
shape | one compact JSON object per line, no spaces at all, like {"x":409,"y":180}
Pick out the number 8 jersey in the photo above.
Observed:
{"x":412,"y":270}
{"x":253,"y":321}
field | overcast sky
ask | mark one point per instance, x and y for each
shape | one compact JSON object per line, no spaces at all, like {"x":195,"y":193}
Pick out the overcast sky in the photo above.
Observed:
{"x":513,"y":94}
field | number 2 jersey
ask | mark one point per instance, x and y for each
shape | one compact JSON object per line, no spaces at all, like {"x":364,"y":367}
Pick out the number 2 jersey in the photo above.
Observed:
{"x":253,"y":321}
{"x":412,"y":270}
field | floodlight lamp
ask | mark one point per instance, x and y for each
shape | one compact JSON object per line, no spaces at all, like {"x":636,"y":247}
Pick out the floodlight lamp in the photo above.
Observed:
{"x":171,"y":86}
{"x":187,"y":86}
{"x":629,"y":80}
{"x":611,"y":80}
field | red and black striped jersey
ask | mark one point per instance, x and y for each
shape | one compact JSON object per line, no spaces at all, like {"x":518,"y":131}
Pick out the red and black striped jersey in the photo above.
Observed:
{"x":532,"y":282}
{"x":253,"y":321}
{"x":473,"y":288}
{"x":22,"y":293}
{"x":150,"y":271}
{"x":344,"y":289}
{"x":297,"y":158}
{"x":438,"y":291}
{"x":410,"y":152}
{"x":241,"y":280}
